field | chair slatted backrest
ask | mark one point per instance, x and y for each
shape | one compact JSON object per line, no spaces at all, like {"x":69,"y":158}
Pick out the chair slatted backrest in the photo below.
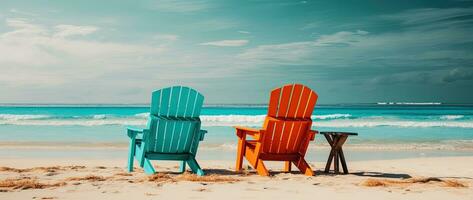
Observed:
{"x":174,"y":120}
{"x":289,"y":118}
{"x":176,"y":101}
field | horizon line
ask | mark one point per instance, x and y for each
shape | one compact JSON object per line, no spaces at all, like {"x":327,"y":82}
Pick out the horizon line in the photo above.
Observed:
{"x":229,"y":104}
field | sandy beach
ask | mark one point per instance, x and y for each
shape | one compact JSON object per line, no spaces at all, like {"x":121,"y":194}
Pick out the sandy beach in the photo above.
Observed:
{"x":422,"y":178}
{"x":87,"y":87}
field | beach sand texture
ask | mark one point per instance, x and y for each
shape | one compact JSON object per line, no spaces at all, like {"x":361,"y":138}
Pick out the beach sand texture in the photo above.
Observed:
{"x":422,"y":178}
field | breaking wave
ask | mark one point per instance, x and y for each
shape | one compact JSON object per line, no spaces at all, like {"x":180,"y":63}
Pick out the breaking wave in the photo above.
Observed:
{"x":410,"y":103}
{"x":21,"y":117}
{"x":451,"y":117}
{"x":329,"y":120}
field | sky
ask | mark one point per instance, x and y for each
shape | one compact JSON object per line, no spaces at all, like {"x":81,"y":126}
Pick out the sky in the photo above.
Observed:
{"x":118,"y":52}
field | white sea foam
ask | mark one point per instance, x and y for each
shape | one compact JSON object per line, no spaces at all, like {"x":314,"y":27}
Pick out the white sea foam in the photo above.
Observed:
{"x":362,"y":123}
{"x":409,"y":103}
{"x":81,"y":122}
{"x":330,"y":120}
{"x":252,"y":118}
{"x":332,"y":116}
{"x":451,"y":117}
{"x":142,"y":115}
{"x":395,"y":123}
{"x":99,"y":116}
{"x":232,"y":119}
{"x":21,"y":117}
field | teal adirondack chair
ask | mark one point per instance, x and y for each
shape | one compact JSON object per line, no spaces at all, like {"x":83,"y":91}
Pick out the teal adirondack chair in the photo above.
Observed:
{"x":173,"y":130}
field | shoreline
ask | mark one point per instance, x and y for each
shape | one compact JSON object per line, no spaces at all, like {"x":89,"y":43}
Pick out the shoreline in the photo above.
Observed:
{"x":206,"y":153}
{"x":454,"y":145}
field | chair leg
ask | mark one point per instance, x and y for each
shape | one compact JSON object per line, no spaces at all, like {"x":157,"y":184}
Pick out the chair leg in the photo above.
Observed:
{"x":139,"y":155}
{"x":149,"y":169}
{"x":195,"y":166}
{"x":261,"y":169}
{"x":304,"y":167}
{"x":240,"y":154}
{"x":131,"y":155}
{"x":287,"y":166}
{"x":182,"y":168}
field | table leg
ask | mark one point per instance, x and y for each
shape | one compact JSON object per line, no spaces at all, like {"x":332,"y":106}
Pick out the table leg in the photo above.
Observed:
{"x":333,"y":157}
{"x":329,"y":162}
{"x":342,"y":160}
{"x":329,"y":140}
{"x":335,"y":160}
{"x":341,"y":140}
{"x":332,"y":152}
{"x":336,"y":155}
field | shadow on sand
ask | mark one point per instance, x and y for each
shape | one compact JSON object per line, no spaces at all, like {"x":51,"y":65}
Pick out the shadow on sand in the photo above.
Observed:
{"x":381,"y":175}
{"x":222,"y":172}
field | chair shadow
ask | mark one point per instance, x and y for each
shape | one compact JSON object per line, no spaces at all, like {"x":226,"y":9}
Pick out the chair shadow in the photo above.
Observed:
{"x":206,"y":171}
{"x":395,"y":175}
{"x":227,"y":172}
{"x":244,"y":172}
{"x":381,"y":174}
{"x":365,"y":174}
{"x":222,"y":172}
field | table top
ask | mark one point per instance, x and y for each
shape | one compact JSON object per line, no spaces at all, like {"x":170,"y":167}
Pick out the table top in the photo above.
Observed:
{"x":337,"y":133}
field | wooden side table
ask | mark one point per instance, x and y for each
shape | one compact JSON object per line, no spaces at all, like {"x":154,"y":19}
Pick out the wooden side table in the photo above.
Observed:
{"x":336,"y":141}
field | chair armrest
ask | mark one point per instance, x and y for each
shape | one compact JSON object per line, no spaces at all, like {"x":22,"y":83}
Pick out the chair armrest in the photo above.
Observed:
{"x":247,"y":130}
{"x":202,"y":134}
{"x":312,"y":134}
{"x":132,"y":132}
{"x":243,"y":131}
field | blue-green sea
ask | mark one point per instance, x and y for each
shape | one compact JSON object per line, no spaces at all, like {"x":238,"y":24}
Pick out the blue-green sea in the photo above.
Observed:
{"x":386,"y":131}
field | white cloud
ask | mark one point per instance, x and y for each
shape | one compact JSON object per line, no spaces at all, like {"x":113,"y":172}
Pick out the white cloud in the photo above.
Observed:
{"x":340,"y":38}
{"x":23,"y":27}
{"x":287,"y":53}
{"x":305,"y":52}
{"x":347,"y":48}
{"x":226,"y":43}
{"x":428,"y":38}
{"x":15,"y":11}
{"x":34,"y":49}
{"x":65,"y":30}
{"x":52,"y":61}
{"x":35,"y":58}
{"x":421,"y":42}
{"x":166,"y":37}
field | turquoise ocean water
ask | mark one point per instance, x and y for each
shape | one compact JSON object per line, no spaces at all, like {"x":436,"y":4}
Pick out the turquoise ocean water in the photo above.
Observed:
{"x":386,"y":131}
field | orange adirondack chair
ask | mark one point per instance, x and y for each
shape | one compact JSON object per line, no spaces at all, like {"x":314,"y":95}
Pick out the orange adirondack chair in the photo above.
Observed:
{"x":286,"y":131}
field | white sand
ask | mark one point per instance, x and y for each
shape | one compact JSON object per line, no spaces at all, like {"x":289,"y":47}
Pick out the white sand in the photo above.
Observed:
{"x":252,"y":186}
